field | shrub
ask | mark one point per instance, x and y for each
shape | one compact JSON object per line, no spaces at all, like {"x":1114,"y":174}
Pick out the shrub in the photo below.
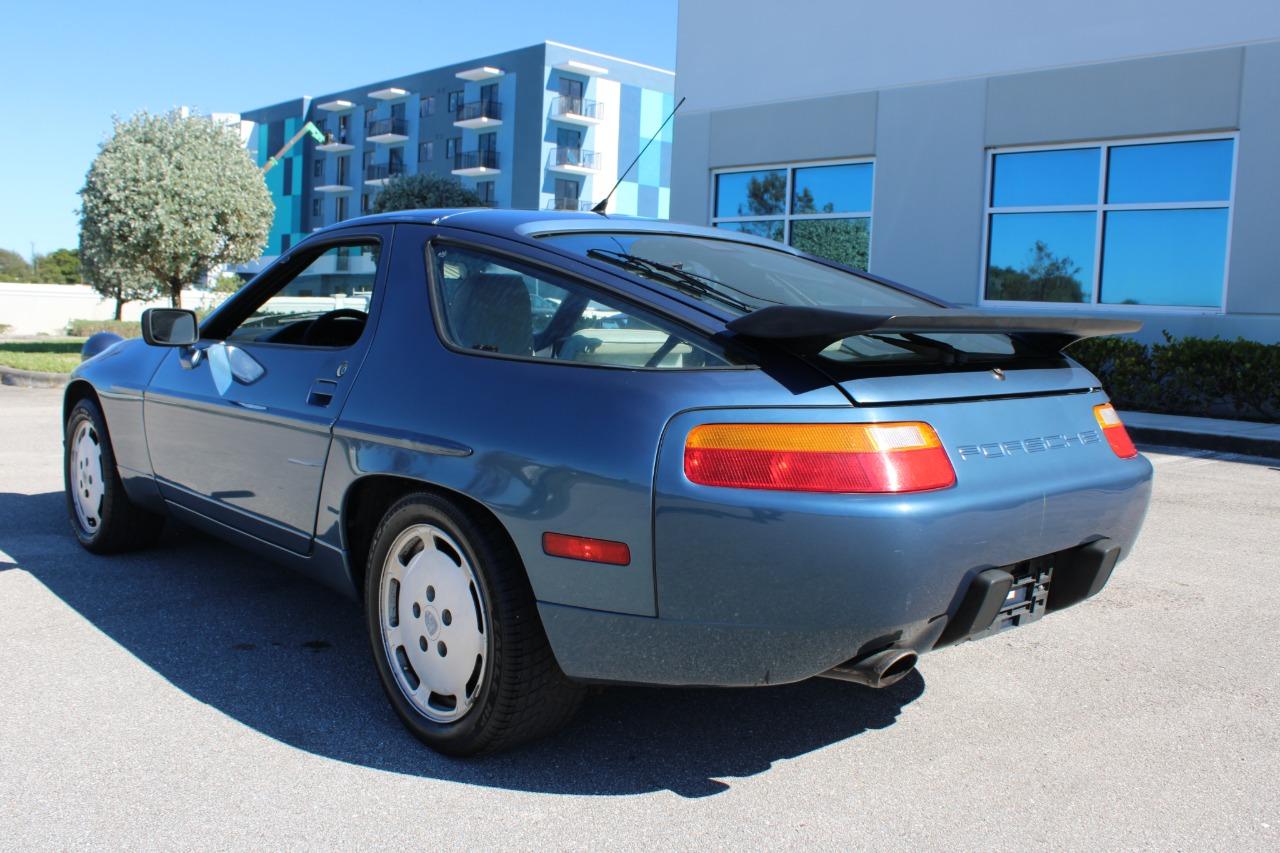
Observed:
{"x":1187,"y":376}
{"x":85,"y":328}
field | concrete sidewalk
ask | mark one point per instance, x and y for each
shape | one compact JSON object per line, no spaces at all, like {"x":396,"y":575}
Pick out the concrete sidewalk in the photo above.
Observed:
{"x":1258,"y":439}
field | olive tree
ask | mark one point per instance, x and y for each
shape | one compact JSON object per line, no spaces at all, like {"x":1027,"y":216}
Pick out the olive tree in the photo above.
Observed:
{"x":168,"y":198}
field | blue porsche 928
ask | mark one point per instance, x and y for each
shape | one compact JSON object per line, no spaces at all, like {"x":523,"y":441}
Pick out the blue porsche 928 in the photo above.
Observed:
{"x":545,"y":450}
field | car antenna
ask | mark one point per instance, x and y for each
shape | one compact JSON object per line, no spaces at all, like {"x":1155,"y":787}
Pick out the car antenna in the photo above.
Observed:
{"x":602,"y":203}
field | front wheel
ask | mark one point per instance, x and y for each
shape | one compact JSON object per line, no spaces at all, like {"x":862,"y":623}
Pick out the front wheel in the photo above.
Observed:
{"x":102,"y":517}
{"x":455,"y":631}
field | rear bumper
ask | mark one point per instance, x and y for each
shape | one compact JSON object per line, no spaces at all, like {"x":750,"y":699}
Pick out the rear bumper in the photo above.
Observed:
{"x":592,"y":645}
{"x":753,"y":589}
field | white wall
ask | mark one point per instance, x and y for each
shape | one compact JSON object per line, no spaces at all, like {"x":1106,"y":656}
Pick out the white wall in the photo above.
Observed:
{"x":738,"y":52}
{"x":45,"y":309}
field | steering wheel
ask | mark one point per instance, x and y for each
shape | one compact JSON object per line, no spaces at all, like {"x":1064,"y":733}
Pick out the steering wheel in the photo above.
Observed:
{"x":327,"y":323}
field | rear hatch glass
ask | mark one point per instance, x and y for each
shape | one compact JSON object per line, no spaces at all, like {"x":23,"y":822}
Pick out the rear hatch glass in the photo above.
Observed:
{"x":739,"y":278}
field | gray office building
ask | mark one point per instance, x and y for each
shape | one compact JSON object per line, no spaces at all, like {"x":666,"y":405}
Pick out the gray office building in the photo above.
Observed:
{"x":1117,"y":157}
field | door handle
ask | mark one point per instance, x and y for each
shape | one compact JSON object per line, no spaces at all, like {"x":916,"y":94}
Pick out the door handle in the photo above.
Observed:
{"x":322,"y":392}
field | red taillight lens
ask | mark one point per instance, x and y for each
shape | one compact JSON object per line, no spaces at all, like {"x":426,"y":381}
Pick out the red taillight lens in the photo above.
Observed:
{"x":585,"y":548}
{"x":893,"y":457}
{"x":1113,"y":429}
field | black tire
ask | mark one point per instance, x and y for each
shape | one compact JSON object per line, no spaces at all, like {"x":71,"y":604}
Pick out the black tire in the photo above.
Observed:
{"x":523,"y":693}
{"x":121,"y":525}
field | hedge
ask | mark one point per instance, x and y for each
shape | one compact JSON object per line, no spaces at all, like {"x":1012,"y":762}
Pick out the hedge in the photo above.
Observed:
{"x":1187,"y":376}
{"x":85,"y":328}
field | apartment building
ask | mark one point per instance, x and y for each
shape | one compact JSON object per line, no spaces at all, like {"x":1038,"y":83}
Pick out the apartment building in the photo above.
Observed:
{"x":1104,"y":156}
{"x":544,"y":127}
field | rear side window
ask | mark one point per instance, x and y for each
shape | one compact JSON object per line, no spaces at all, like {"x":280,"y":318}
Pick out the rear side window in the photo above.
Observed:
{"x":493,"y":305}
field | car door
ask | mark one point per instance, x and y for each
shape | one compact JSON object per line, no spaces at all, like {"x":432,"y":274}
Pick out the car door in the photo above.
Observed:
{"x":239,"y":426}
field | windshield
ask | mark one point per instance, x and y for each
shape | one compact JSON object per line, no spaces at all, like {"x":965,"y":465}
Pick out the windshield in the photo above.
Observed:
{"x":741,"y":277}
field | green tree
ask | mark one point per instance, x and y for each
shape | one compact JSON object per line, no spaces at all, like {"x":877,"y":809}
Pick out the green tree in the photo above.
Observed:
{"x":228,"y":283}
{"x":13,"y":267}
{"x":123,"y":284}
{"x":423,"y":191}
{"x":1043,"y":278}
{"x":766,"y":196}
{"x":845,"y":241}
{"x":168,"y":198}
{"x":61,"y":266}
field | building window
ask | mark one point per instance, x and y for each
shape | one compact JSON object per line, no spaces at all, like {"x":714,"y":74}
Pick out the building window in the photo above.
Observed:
{"x":427,"y":106}
{"x":820,"y":208}
{"x":425,"y":151}
{"x":455,"y":101}
{"x":1117,"y":223}
{"x":317,"y":168}
{"x":364,"y":202}
{"x":451,"y":147}
{"x":286,"y":240}
{"x":368,"y":117}
{"x":340,"y":208}
{"x":317,"y":208}
{"x":484,"y":189}
{"x":366,"y":161}
{"x":344,"y":165}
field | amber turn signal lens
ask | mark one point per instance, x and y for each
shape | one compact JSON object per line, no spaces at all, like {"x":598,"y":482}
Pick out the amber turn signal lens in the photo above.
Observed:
{"x":1112,"y":427}
{"x":890,"y":457}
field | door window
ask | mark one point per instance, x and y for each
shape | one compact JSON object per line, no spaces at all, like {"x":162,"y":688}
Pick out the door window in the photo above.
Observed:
{"x":326,"y":304}
{"x":498,"y":307}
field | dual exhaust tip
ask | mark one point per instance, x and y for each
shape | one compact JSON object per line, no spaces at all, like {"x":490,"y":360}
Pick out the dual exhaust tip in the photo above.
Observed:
{"x":882,"y":669}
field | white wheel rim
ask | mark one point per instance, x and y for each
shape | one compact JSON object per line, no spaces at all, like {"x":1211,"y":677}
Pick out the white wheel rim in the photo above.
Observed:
{"x":86,"y":477}
{"x":433,"y":624}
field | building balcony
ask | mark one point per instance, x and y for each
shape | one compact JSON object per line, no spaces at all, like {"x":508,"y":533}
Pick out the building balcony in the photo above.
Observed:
{"x":582,"y":111}
{"x":484,"y":72}
{"x":577,"y":66}
{"x":391,"y":93}
{"x":388,"y":130}
{"x":338,"y":105}
{"x":568,"y":204}
{"x":478,"y":115}
{"x":575,"y":161}
{"x":335,"y":142}
{"x":476,"y":163}
{"x":377,"y":174}
{"x":338,"y":186}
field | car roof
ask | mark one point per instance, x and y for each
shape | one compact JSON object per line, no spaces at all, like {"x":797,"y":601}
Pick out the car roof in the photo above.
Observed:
{"x":527,"y":224}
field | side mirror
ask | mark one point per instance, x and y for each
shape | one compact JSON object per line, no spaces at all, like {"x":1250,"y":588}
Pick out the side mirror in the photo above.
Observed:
{"x":170,"y":327}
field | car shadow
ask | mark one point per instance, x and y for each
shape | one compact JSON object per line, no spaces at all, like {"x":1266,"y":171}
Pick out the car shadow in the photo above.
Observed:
{"x":290,"y":659}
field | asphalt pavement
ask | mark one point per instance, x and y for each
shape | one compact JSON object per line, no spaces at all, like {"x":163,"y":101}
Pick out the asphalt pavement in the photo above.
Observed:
{"x":196,"y":697}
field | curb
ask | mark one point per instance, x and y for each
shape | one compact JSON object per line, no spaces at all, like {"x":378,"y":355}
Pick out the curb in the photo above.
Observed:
{"x":1206,"y":441}
{"x":32,"y":378}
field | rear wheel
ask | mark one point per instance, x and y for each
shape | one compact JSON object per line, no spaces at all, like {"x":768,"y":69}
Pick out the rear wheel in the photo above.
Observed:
{"x":103,"y":518}
{"x":455,"y":632}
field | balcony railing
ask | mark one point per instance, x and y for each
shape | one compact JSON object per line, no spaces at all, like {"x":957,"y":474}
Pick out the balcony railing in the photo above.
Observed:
{"x":383,"y":171}
{"x":573,"y":159}
{"x":568,"y":106}
{"x":482,"y":159}
{"x":388,"y":127}
{"x":478,"y":111}
{"x":568,"y":204}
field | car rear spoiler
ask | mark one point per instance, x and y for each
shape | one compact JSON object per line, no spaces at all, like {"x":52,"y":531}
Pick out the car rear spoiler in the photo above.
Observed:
{"x":810,"y":330}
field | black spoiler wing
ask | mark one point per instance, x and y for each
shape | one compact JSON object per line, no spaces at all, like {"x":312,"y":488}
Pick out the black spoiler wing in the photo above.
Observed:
{"x":810,"y":330}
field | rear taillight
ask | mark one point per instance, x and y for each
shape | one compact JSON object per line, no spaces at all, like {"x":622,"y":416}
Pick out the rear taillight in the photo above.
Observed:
{"x":1113,"y":429}
{"x":892,"y":457}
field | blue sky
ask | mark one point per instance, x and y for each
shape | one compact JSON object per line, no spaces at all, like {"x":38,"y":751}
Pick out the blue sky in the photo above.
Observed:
{"x":68,"y":66}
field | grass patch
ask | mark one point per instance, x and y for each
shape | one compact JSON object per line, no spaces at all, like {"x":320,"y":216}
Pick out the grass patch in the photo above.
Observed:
{"x":48,"y":355}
